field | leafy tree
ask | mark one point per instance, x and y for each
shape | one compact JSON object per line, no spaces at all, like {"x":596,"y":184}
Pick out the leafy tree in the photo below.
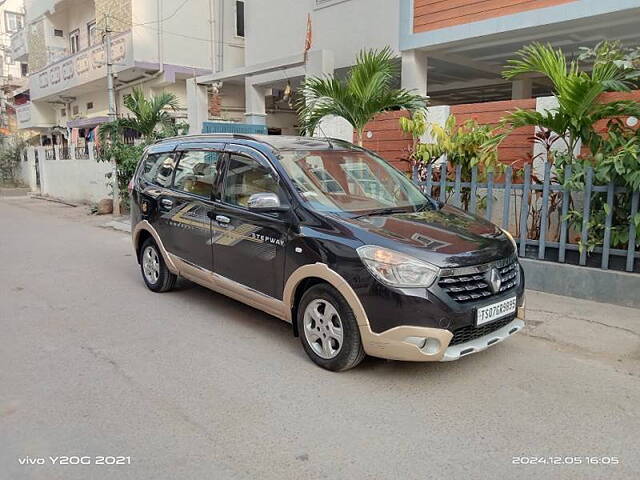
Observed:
{"x":578,"y":93}
{"x":367,"y":90}
{"x":11,"y":149}
{"x":625,"y":58}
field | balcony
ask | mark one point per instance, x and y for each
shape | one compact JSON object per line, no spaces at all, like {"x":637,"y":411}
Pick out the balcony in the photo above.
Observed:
{"x":30,"y":115}
{"x":18,"y":46}
{"x":88,"y":65}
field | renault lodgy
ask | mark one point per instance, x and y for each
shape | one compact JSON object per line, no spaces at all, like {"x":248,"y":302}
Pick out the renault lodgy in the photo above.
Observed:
{"x":329,"y":237}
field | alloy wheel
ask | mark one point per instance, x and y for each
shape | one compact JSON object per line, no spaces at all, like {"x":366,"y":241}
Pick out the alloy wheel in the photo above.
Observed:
{"x":151,"y":264}
{"x":323,"y":328}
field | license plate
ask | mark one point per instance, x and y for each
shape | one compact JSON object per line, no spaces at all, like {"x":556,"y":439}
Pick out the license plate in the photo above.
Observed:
{"x":495,"y":311}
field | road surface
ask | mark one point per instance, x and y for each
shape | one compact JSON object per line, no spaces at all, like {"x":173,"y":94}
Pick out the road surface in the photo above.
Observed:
{"x":192,"y":385}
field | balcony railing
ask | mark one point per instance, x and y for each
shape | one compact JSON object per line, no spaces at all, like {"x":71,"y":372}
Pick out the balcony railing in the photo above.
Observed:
{"x":18,"y":46}
{"x":83,"y":67}
{"x":29,"y":115}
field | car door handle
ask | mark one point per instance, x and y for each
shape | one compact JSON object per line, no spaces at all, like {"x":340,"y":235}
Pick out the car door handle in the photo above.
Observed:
{"x":223,"y":219}
{"x":166,"y":203}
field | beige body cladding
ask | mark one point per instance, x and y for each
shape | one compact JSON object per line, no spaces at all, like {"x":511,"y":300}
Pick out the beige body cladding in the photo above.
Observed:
{"x":390,"y":344}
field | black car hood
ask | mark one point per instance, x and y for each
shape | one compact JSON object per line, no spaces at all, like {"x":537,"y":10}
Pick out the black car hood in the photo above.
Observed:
{"x":447,"y":237}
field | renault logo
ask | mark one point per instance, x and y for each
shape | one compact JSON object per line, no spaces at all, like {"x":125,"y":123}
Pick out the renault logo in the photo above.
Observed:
{"x":494,"y":279}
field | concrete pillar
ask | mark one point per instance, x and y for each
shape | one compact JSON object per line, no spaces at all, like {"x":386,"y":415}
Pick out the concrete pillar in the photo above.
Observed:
{"x":414,"y":71}
{"x":320,"y":63}
{"x":31,"y":162}
{"x":40,"y":154}
{"x":255,"y":107}
{"x":521,"y":89}
{"x":197,"y":106}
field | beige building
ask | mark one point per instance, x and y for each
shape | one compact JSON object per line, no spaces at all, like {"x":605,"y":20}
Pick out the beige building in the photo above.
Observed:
{"x":156,"y":45}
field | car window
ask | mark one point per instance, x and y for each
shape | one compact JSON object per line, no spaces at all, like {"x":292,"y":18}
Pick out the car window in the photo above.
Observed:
{"x":196,"y":172}
{"x":158,"y":168}
{"x":245,"y":176}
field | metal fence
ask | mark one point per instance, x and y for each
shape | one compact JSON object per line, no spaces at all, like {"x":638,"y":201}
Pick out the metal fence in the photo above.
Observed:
{"x":498,"y":202}
{"x":85,"y":151}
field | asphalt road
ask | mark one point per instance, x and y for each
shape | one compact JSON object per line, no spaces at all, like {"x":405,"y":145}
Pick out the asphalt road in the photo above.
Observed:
{"x":192,"y":385}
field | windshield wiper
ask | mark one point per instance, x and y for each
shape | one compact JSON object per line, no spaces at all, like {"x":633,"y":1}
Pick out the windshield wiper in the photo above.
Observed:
{"x":383,"y":211}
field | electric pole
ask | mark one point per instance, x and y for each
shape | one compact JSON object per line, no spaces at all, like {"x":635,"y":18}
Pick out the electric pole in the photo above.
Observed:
{"x":110,"y":89}
{"x":112,"y":109}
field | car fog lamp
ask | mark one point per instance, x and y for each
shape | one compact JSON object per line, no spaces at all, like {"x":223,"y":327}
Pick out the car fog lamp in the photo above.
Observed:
{"x":432,"y":346}
{"x":418,"y":341}
{"x":428,"y":345}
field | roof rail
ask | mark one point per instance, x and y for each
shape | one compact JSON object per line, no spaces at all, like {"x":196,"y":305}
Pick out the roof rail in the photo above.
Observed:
{"x":240,"y":136}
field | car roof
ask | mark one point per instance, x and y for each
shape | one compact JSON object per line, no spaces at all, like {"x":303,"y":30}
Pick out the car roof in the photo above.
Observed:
{"x":277,"y":142}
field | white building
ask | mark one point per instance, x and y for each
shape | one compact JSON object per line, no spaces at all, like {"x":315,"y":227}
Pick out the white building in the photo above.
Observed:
{"x":12,"y":71}
{"x":156,"y":45}
{"x":454,"y":52}
{"x":274,"y":52}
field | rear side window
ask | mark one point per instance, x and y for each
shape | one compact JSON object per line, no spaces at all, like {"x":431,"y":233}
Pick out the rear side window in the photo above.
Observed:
{"x":197,"y":172}
{"x":158,"y":168}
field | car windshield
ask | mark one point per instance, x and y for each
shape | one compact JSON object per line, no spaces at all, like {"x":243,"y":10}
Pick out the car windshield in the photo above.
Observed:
{"x":351,"y":181}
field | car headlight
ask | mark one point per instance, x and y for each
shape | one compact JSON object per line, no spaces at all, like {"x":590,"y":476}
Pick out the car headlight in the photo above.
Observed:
{"x":397,"y":269}
{"x":510,"y":237}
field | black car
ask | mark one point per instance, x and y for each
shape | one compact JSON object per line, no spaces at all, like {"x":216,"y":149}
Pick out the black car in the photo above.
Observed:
{"x":329,"y":237}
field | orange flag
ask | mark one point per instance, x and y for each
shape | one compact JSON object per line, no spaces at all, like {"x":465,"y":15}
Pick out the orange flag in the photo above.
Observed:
{"x":309,"y":37}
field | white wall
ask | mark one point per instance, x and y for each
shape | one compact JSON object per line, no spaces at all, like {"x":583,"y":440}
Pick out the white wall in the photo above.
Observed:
{"x":79,"y":181}
{"x":191,"y":20}
{"x":233,"y":46}
{"x":36,"y":8}
{"x":335,"y":127}
{"x":277,"y":28}
{"x":69,"y":18}
{"x":27,"y":174}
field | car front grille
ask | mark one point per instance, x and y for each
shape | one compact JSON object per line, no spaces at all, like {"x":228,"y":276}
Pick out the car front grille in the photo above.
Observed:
{"x":471,"y":332}
{"x":468,"y":284}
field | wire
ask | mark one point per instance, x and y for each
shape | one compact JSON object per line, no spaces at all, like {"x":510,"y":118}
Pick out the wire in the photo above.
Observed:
{"x":173,"y":33}
{"x":167,"y":18}
{"x":147,"y":25}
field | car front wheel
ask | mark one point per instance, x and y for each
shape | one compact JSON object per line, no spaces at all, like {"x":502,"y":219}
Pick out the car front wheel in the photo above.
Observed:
{"x":155,"y":273}
{"x":328,"y":329}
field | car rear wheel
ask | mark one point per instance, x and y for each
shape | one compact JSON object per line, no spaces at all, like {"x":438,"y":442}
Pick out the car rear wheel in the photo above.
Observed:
{"x":328,"y":329}
{"x":155,"y":273}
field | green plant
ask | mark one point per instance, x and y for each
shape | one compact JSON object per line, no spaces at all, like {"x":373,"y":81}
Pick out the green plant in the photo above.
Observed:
{"x":151,"y":120}
{"x":11,"y":150}
{"x":150,"y":117}
{"x":126,"y":157}
{"x":367,"y":90}
{"x":578,"y":93}
{"x":618,"y":161}
{"x":626,"y":58}
{"x":462,"y":145}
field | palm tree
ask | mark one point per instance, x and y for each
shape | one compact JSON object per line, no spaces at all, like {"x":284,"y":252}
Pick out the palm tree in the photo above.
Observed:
{"x":367,"y":91}
{"x":148,"y":115}
{"x":577,"y":92}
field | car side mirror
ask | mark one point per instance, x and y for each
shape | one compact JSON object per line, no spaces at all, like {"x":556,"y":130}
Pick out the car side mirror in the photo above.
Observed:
{"x":265,"y":202}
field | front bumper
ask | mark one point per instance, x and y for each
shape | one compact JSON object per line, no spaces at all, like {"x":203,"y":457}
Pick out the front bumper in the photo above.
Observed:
{"x":478,"y":344}
{"x":424,"y":344}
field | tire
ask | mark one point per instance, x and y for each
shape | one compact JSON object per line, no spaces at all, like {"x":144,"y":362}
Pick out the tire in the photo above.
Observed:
{"x":155,"y":273}
{"x":328,"y":329}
